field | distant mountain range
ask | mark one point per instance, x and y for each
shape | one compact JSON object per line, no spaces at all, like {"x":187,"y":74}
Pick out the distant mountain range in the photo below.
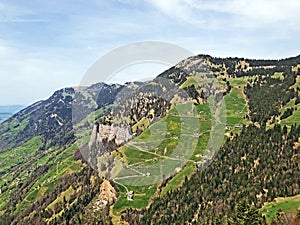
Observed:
{"x":7,"y":111}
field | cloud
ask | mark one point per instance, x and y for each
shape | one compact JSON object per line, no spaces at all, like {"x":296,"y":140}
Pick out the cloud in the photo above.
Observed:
{"x":232,"y":13}
{"x":271,"y":11}
{"x":181,"y":9}
{"x":20,"y":20}
{"x":11,"y":13}
{"x":27,"y":75}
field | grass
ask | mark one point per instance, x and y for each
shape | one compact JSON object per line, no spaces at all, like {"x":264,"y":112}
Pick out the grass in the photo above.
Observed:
{"x":92,"y":117}
{"x":290,"y":104}
{"x":179,"y":178}
{"x":134,"y":155}
{"x":238,"y":81}
{"x":288,"y":204}
{"x":173,"y":136}
{"x":278,"y":75}
{"x":20,"y":154}
{"x":205,"y":117}
{"x":291,"y":120}
{"x":143,"y":124}
{"x":189,"y":82}
{"x":195,"y":80}
{"x":294,"y":118}
{"x":170,"y":137}
{"x":62,"y":163}
{"x":297,"y":84}
{"x":201,"y":146}
{"x":67,"y":194}
{"x":156,"y":138}
{"x":83,"y":134}
{"x":142,"y":195}
{"x":4,"y":199}
{"x":169,"y":141}
{"x":15,"y":126}
{"x":236,"y":107}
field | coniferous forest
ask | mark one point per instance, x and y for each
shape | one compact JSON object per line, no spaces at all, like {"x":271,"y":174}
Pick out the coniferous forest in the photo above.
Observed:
{"x":251,"y":168}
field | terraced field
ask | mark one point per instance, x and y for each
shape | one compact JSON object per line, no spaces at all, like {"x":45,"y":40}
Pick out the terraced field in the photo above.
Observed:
{"x":174,"y":147}
{"x":28,"y":156}
{"x":236,"y":108}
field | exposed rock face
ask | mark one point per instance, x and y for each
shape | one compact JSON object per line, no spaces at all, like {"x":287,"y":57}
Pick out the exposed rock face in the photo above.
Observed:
{"x":108,"y":134}
{"x":53,"y":119}
{"x":107,"y":192}
{"x":118,"y":134}
{"x":107,"y":195}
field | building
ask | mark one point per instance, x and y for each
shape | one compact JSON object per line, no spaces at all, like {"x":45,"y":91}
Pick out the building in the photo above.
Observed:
{"x":130,"y":196}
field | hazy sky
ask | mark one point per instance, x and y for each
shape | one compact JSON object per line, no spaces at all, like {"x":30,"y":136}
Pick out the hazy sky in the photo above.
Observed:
{"x":47,"y":45}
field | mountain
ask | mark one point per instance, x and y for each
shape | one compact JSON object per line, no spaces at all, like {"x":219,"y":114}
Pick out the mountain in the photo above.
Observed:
{"x":208,"y":141}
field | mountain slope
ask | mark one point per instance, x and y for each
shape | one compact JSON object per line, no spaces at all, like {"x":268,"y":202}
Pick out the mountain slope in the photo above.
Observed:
{"x":253,"y":167}
{"x":55,"y":154}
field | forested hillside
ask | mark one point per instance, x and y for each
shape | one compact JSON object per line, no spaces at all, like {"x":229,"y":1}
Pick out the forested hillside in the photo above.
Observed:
{"x":209,"y":141}
{"x":252,"y":168}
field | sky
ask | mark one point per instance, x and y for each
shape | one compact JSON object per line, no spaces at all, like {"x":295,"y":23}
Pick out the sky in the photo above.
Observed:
{"x":48,"y":45}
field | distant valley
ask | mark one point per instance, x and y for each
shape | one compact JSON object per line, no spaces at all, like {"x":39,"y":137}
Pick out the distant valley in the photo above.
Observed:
{"x":7,"y":111}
